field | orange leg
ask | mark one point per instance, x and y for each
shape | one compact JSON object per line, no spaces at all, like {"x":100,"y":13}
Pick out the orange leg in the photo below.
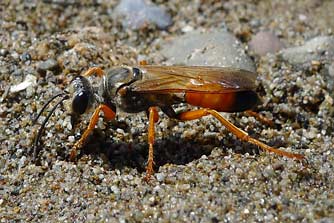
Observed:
{"x":94,"y":70}
{"x":153,"y":118}
{"x":108,"y":114}
{"x":260,"y":118}
{"x":143,"y":62}
{"x":190,"y":115}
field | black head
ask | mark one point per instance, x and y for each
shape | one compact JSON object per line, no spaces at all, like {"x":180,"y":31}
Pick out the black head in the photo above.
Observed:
{"x":81,"y":94}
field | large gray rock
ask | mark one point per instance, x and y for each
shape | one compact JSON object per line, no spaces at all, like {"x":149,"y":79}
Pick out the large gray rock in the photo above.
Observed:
{"x":212,"y":48}
{"x":319,"y":48}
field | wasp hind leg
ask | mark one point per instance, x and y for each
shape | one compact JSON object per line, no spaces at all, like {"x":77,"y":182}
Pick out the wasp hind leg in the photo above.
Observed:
{"x":108,"y":114}
{"x":260,"y":118}
{"x":242,"y":135}
{"x":153,"y":117}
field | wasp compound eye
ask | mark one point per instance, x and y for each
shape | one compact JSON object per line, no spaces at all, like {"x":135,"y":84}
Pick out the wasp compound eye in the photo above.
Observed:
{"x":80,"y":103}
{"x":83,"y":95}
{"x":136,"y":71}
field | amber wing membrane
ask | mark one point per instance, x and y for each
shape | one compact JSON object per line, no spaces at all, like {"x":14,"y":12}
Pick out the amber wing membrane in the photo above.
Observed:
{"x":206,"y":79}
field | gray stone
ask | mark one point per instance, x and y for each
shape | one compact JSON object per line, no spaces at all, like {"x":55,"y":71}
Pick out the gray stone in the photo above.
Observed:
{"x":214,"y":48}
{"x":265,"y":42}
{"x":138,"y":13}
{"x":319,"y":48}
{"x":50,"y":64}
{"x":329,"y":78}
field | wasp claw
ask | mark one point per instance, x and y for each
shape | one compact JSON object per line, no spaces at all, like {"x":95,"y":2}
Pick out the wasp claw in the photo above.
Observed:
{"x":149,"y":170}
{"x":74,"y":151}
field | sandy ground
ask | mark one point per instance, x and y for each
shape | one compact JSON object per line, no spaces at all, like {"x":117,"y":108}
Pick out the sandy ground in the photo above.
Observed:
{"x":203,"y":173}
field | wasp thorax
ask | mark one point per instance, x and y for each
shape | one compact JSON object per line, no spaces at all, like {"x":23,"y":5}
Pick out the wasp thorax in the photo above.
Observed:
{"x":82,"y":95}
{"x":119,"y":77}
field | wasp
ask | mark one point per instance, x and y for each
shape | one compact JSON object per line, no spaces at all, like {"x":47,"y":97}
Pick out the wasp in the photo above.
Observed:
{"x":147,"y":88}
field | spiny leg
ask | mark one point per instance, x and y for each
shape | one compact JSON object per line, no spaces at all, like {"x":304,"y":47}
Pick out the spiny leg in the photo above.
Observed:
{"x":190,"y":115}
{"x":261,"y":118}
{"x":108,"y":115}
{"x":94,"y":70}
{"x":153,"y":117}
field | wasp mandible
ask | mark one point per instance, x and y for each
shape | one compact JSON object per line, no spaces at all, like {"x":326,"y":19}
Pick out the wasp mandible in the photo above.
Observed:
{"x":148,"y":87}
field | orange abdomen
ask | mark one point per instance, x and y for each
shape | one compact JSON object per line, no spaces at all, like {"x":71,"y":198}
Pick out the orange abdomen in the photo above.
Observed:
{"x":224,"y":102}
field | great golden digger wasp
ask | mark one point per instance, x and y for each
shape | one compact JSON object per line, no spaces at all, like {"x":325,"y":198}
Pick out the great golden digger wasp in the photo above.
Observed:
{"x":146,"y":88}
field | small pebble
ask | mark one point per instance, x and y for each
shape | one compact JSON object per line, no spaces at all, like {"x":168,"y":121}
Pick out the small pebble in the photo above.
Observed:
{"x":50,"y":64}
{"x":160,"y":176}
{"x":265,"y":42}
{"x":25,"y":57}
{"x":30,"y":80}
{"x":3,"y":52}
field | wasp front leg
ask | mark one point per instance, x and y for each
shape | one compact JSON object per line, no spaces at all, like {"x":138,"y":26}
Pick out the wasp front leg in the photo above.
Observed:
{"x":153,"y":117}
{"x":94,"y":70}
{"x":109,"y":114}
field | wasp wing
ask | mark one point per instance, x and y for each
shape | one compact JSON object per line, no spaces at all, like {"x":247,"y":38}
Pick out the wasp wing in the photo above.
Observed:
{"x":174,"y":79}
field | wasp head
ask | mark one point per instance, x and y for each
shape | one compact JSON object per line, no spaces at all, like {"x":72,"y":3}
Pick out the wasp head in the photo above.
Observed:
{"x":82,"y":97}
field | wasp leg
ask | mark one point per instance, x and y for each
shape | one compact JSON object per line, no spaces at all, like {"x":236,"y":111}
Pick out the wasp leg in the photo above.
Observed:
{"x":242,"y":135}
{"x":143,"y":62}
{"x":94,"y":70}
{"x":153,"y":117}
{"x":260,"y":118}
{"x":108,"y":114}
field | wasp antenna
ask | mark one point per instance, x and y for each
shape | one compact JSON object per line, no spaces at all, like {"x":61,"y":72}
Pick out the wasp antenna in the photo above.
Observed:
{"x":40,"y":131}
{"x":46,"y":104}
